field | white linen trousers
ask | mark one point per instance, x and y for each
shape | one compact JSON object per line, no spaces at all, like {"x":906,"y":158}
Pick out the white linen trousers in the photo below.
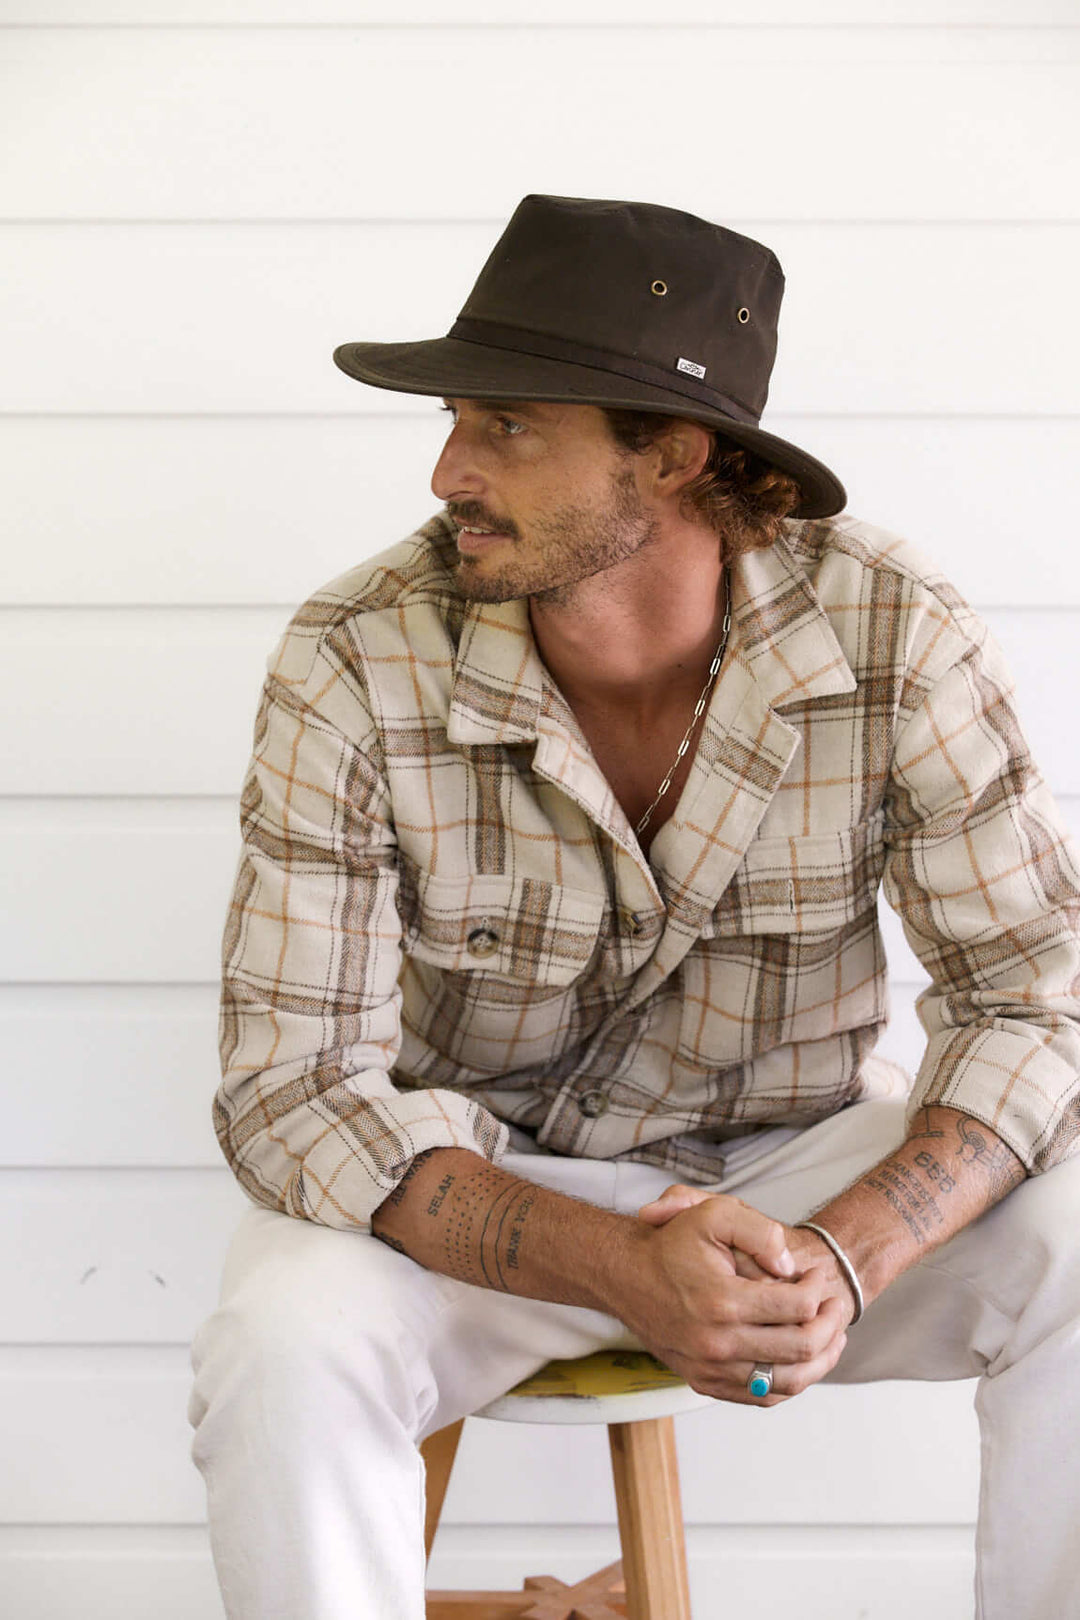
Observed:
{"x":331,"y":1356}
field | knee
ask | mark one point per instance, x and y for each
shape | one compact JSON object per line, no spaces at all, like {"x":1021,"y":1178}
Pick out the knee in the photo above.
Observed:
{"x":304,"y":1322}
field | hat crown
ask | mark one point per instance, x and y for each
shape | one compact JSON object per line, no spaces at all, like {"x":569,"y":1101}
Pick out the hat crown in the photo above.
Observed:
{"x":651,"y":284}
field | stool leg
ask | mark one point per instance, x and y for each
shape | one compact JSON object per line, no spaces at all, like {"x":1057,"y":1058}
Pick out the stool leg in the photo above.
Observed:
{"x":438,"y":1452}
{"x":646,"y":1472}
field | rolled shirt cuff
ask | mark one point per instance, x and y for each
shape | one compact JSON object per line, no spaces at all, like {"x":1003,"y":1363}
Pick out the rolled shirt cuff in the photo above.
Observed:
{"x":1002,"y":1074}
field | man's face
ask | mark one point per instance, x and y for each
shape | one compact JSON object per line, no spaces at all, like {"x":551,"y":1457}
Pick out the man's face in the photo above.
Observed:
{"x":556,"y":494}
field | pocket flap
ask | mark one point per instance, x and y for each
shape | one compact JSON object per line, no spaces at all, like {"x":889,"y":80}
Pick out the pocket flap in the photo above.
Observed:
{"x":803,"y":885}
{"x":521,"y":928}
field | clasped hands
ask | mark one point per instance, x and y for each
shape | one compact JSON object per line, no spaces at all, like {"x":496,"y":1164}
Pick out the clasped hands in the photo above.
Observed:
{"x":723,"y":1287}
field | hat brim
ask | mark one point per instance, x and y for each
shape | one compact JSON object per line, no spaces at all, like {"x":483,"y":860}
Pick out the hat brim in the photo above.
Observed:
{"x":452,"y":368}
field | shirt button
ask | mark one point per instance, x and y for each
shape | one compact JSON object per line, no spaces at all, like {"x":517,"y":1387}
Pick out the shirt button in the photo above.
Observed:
{"x":593,"y":1104}
{"x":482,"y":942}
{"x":631,"y":923}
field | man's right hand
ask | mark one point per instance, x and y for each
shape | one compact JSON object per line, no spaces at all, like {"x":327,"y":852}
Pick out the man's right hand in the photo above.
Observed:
{"x":711,"y":1290}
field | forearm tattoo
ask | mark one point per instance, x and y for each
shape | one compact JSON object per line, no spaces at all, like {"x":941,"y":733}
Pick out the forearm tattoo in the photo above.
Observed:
{"x":478,"y":1222}
{"x":964,"y":1156}
{"x":397,"y":1197}
{"x":484,"y":1226}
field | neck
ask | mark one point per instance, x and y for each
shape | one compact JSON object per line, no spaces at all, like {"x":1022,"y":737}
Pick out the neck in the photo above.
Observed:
{"x":639,"y":636}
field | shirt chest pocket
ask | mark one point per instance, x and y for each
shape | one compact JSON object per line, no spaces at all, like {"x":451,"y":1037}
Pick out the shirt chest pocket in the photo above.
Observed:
{"x":803,"y":885}
{"x":523,"y":929}
{"x":493,"y":971}
{"x":791,"y":952}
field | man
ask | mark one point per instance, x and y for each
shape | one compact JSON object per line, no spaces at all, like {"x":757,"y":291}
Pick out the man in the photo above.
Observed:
{"x":552,"y":975}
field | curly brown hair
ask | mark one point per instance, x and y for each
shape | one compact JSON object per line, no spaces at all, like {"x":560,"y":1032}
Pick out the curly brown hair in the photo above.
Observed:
{"x":742,"y":497}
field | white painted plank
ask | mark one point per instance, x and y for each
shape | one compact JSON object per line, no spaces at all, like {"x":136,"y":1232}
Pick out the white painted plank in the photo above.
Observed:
{"x":124,"y":892}
{"x":113,"y":1256}
{"x":136,"y":1090}
{"x":162,"y":701}
{"x":97,"y":1436}
{"x":116,"y":871}
{"x":147,"y":700}
{"x":280,"y":124}
{"x":768,"y":1571}
{"x":127,"y":510}
{"x":109,"y":1074}
{"x":117,"y":1418}
{"x":75,"y":1573}
{"x":515,"y":14}
{"x":878,"y":318}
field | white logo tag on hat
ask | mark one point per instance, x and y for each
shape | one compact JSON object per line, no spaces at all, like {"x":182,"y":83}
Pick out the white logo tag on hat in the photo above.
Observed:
{"x":691,"y":366}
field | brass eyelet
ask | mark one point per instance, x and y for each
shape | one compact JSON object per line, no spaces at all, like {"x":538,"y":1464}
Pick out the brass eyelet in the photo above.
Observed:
{"x":660,"y":288}
{"x":744,"y":315}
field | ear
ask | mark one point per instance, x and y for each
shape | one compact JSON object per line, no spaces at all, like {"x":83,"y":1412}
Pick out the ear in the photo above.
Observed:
{"x":681,"y":452}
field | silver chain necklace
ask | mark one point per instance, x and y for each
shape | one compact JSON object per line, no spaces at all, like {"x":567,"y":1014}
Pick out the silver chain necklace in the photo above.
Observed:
{"x":698,"y":709}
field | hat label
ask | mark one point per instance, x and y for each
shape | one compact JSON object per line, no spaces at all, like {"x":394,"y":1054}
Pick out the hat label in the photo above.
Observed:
{"x":691,"y":366}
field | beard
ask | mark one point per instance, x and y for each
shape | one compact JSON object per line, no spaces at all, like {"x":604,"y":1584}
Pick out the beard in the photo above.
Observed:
{"x":571,"y":544}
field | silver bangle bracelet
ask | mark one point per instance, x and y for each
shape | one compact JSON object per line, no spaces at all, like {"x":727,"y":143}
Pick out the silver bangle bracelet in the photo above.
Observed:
{"x":842,"y":1261}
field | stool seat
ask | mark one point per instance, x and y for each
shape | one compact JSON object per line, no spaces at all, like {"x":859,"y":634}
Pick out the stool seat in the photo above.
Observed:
{"x":635,"y":1396}
{"x":610,"y":1386}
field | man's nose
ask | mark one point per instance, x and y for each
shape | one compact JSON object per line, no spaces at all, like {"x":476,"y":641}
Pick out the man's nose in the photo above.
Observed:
{"x":456,"y":473}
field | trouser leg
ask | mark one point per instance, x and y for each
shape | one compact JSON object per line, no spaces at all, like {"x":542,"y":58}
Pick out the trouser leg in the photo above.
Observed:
{"x":329,"y":1358}
{"x":1000,"y":1302}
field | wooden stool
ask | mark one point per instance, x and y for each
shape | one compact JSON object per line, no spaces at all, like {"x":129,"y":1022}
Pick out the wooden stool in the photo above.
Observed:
{"x":636,"y":1397}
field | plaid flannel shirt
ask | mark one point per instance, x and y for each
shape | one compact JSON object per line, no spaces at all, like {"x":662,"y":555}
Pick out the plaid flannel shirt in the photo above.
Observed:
{"x":443,"y":922}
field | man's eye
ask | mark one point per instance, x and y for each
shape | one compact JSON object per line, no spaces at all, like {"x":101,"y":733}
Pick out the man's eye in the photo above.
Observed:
{"x":507,"y":424}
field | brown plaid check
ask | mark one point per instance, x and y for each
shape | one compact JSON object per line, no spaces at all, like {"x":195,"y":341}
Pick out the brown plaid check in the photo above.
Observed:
{"x":442,"y":920}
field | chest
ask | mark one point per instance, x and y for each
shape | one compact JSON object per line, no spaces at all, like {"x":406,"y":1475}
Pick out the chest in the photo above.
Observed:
{"x":639,"y":759}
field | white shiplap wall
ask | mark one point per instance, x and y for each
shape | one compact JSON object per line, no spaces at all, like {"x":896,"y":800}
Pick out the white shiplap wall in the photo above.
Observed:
{"x":197,"y":202}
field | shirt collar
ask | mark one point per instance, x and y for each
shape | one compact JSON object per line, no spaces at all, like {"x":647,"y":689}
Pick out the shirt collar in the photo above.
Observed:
{"x":781,"y":633}
{"x":498,"y":677}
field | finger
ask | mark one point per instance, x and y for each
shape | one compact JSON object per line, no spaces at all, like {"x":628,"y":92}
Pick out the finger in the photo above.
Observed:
{"x":745,"y":1267}
{"x":730,"y":1382}
{"x":792,"y":1345}
{"x":772,"y":1303}
{"x":793,"y":1379}
{"x":731,"y":1222}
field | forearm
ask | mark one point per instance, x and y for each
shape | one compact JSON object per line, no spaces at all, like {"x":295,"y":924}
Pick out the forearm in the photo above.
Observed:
{"x":949,"y":1170}
{"x":459,"y":1215}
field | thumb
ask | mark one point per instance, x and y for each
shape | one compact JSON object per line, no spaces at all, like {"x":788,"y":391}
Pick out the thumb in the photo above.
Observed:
{"x":672,"y":1201}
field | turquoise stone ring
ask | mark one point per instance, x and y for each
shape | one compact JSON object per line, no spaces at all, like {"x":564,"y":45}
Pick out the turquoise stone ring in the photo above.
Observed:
{"x":760,"y":1381}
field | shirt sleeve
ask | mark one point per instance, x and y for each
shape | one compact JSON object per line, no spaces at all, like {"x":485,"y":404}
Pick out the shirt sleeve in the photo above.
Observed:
{"x":307,"y":1113}
{"x":983,"y":875}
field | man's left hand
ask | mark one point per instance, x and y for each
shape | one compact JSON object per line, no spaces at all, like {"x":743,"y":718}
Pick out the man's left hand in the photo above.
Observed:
{"x":809,"y":1252}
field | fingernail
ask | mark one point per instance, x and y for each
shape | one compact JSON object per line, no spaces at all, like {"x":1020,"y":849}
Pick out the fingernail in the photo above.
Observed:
{"x":786,"y":1263}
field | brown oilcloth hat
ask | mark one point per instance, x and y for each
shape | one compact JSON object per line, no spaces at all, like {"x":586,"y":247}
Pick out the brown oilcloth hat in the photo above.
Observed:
{"x":624,"y":304}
